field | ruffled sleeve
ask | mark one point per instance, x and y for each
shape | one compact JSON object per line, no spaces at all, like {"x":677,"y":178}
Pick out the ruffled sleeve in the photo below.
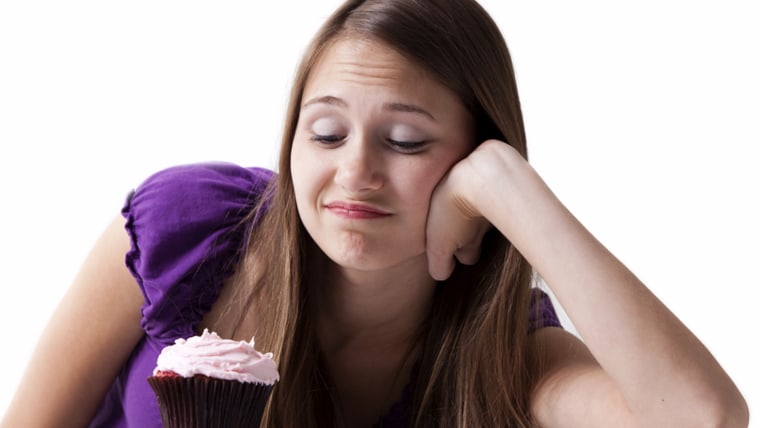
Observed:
{"x":186,"y":228}
{"x":541,"y":312}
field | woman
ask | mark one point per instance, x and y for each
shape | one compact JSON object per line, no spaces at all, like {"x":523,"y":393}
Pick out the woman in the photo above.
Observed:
{"x":388,"y":265}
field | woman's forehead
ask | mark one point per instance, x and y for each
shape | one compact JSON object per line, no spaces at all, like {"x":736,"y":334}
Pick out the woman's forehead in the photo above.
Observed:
{"x":361,"y":68}
{"x":366,"y":62}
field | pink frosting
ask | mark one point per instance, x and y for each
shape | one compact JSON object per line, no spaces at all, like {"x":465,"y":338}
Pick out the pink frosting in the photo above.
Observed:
{"x":212,"y":356}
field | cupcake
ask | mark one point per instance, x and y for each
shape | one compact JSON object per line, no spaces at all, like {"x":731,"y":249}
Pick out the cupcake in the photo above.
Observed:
{"x":206,"y":381}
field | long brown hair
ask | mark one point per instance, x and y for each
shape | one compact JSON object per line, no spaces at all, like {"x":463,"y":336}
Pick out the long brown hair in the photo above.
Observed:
{"x":472,"y":369}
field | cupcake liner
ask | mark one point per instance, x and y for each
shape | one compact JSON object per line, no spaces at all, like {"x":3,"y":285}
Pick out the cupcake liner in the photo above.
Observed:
{"x":203,"y":402}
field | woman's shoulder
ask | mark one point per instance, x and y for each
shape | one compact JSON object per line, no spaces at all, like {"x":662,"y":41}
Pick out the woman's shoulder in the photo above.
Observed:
{"x":188,"y":225}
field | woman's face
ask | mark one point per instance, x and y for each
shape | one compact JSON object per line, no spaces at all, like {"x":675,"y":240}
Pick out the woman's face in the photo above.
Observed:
{"x":375,"y":135}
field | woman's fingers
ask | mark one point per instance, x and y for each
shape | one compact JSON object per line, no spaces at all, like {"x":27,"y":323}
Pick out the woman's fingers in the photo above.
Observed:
{"x":452,"y":233}
{"x":441,"y":245}
{"x":469,"y":254}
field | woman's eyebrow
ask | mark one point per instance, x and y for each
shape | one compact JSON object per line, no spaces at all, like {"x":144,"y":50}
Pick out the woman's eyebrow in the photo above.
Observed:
{"x":327,"y":99}
{"x":408,"y":108}
{"x":391,"y":107}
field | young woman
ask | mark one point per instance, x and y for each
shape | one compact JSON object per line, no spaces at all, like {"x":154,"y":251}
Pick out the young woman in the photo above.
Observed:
{"x":388,"y":265}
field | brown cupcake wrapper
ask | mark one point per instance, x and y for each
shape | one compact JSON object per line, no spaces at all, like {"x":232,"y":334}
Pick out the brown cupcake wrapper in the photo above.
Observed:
{"x":203,"y":402}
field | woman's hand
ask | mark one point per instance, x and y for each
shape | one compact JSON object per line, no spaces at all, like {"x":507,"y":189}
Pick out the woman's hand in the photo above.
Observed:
{"x":456,"y":225}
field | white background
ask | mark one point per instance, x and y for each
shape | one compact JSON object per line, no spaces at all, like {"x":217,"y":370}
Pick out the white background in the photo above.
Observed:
{"x":643,"y":118}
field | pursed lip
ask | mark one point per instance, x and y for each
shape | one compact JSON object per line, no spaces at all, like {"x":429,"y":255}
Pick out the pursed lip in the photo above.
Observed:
{"x":355,"y":211}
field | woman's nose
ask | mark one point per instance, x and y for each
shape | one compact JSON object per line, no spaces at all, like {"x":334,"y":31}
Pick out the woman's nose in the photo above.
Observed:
{"x":359,"y":168}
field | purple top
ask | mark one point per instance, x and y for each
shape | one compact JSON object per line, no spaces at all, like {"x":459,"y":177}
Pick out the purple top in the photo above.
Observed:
{"x":185,"y":227}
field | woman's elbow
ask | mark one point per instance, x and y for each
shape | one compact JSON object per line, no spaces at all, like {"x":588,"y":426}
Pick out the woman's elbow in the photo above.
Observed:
{"x":726,"y":410}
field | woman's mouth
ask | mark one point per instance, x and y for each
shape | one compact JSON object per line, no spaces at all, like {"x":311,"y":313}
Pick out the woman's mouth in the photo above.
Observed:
{"x":356,"y":211}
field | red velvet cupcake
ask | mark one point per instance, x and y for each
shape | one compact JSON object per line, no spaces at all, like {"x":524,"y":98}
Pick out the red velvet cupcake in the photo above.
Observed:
{"x":206,"y":381}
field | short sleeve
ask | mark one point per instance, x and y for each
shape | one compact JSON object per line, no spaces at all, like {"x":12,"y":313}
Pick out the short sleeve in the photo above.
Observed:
{"x":541,"y":313}
{"x":187,"y":227}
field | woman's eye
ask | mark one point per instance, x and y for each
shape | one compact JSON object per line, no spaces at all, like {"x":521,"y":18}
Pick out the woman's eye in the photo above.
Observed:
{"x":326,"y":139}
{"x":407,"y":146}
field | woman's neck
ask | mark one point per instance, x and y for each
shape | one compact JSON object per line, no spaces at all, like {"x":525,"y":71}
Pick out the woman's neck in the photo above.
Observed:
{"x":379,"y":310}
{"x":368,"y":326}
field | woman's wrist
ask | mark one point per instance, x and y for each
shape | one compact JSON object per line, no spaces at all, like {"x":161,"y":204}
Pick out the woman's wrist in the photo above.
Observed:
{"x":494,"y":179}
